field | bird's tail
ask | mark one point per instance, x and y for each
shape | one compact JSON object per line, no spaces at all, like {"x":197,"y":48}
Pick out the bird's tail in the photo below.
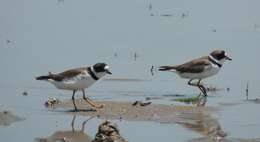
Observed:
{"x":50,"y":76}
{"x":166,"y":68}
{"x":44,"y":77}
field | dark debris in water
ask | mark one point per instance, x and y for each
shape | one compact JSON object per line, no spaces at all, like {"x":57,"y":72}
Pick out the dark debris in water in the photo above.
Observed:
{"x":25,"y":93}
{"x":153,"y":98}
{"x":108,"y":132}
{"x":141,"y":103}
{"x":215,"y":89}
{"x":51,"y":102}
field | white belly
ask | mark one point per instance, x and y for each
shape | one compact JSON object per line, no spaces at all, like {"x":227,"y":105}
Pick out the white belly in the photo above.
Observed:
{"x":206,"y":73}
{"x":74,"y":84}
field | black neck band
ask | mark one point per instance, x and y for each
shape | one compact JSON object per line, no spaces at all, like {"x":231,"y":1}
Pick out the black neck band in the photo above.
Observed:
{"x":92,"y":74}
{"x":214,"y":62}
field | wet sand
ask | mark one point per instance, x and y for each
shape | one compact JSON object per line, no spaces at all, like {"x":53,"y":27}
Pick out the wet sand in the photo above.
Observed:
{"x":195,"y":118}
{"x":126,"y":110}
{"x":198,"y":119}
{"x":73,"y":135}
{"x":7,"y":118}
{"x":107,"y":131}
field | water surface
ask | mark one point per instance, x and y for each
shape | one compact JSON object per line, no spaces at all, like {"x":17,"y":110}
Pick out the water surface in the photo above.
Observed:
{"x":40,"y":36}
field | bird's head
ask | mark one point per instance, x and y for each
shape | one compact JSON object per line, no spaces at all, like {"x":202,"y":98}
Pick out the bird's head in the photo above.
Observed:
{"x":101,"y":68}
{"x":220,"y":55}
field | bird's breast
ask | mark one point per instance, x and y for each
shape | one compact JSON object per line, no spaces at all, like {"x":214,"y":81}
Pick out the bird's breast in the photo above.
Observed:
{"x":76,"y":83}
{"x":207,"y":72}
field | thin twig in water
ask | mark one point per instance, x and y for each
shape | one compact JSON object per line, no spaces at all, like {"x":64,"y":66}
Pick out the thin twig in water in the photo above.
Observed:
{"x":247,"y":84}
{"x":152,"y":70}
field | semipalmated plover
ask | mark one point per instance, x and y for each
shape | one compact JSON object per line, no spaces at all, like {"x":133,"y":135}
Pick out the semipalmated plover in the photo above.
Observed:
{"x":200,"y":68}
{"x":78,"y":79}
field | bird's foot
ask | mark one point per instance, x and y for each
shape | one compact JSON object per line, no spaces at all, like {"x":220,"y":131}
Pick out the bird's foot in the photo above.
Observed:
{"x":100,"y":106}
{"x":96,"y":107}
{"x":92,"y":104}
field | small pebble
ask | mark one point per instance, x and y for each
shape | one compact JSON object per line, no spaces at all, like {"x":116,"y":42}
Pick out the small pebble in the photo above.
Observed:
{"x":228,"y":89}
{"x":25,"y":93}
{"x":5,"y":112}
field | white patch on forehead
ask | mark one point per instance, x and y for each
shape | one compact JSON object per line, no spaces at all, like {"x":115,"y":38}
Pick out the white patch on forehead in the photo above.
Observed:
{"x":226,"y":54}
{"x":106,"y":67}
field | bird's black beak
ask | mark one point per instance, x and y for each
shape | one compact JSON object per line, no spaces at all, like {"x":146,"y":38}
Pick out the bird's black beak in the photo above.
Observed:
{"x":108,"y":72}
{"x":228,"y":58}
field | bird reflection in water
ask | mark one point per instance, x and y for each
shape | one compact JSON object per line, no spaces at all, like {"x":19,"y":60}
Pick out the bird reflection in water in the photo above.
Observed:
{"x":202,"y":100}
{"x":203,"y":123}
{"x":69,"y":136}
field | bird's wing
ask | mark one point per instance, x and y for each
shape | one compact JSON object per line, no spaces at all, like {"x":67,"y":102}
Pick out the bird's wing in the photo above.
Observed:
{"x":72,"y":73}
{"x":194,"y":66}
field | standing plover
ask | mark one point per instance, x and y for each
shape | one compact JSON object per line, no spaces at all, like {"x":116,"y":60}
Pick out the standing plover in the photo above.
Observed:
{"x":78,"y":79}
{"x":200,"y":68}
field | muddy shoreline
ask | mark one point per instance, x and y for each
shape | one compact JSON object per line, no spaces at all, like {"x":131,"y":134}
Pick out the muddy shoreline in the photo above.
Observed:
{"x":198,"y":119}
{"x":127,"y":111}
{"x":7,"y":118}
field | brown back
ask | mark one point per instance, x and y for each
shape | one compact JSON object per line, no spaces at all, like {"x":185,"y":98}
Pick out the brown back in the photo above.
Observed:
{"x":194,"y":66}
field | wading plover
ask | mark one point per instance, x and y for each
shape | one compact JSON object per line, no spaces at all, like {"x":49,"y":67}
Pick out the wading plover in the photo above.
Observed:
{"x":78,"y":79}
{"x":200,"y":68}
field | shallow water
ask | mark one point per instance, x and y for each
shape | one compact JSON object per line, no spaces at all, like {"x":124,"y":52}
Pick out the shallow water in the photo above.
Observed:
{"x":41,"y":36}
